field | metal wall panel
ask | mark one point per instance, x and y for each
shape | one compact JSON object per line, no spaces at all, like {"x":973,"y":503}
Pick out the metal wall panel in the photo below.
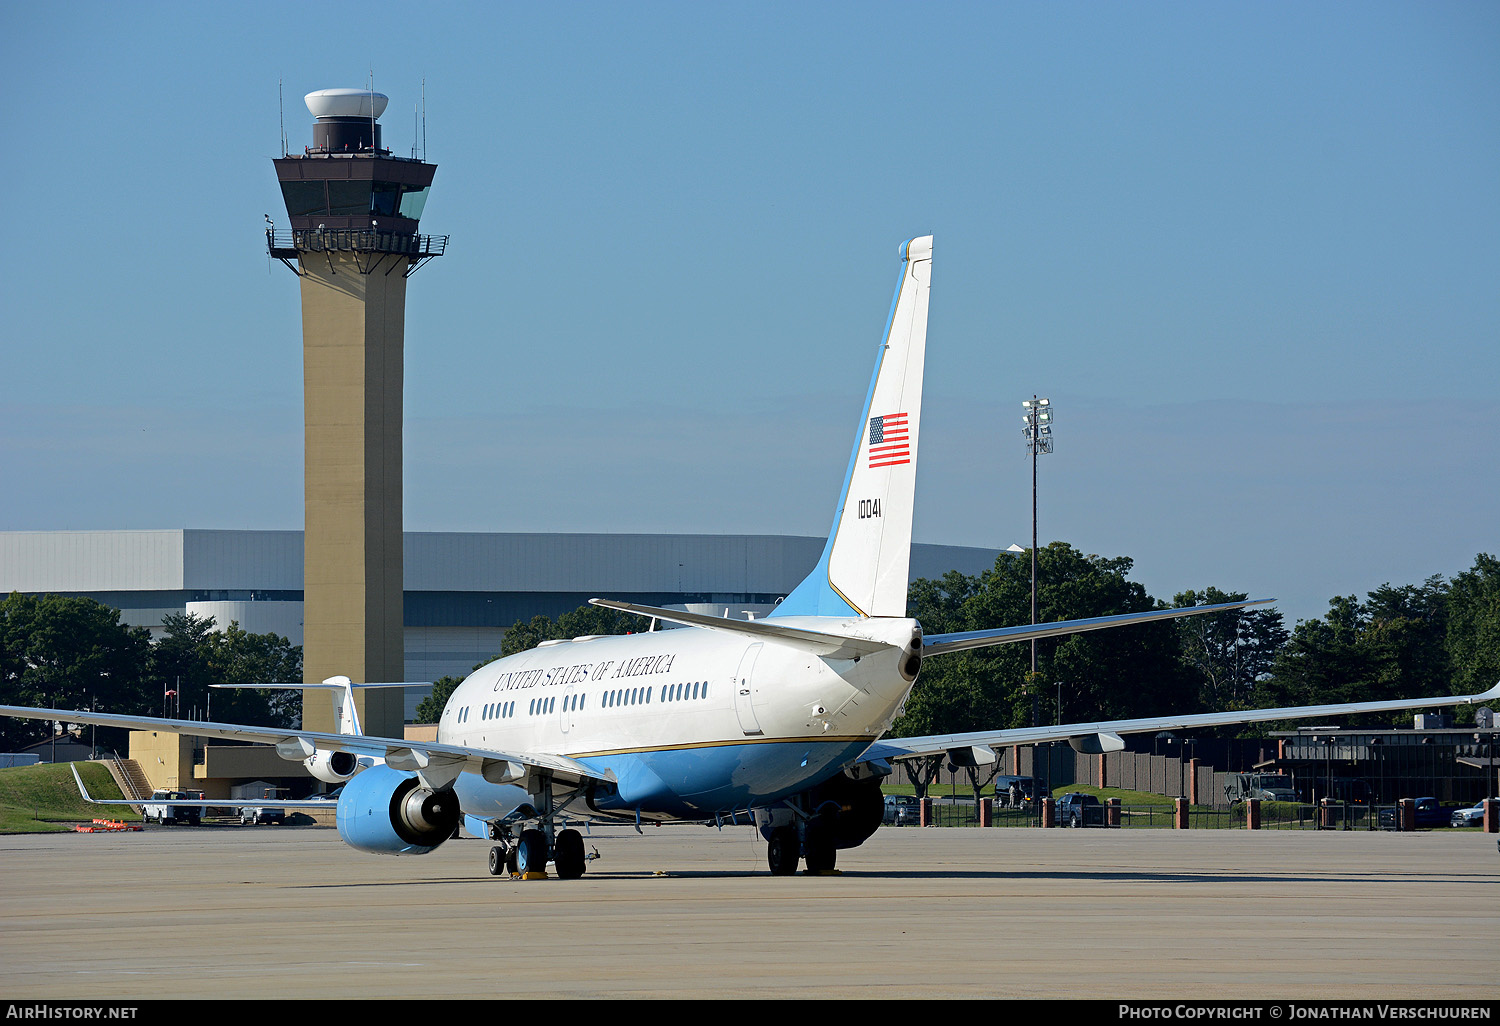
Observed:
{"x":71,"y":561}
{"x":217,"y":560}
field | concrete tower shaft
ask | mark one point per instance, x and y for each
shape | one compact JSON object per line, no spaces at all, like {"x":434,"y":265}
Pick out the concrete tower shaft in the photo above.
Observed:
{"x":354,"y":211}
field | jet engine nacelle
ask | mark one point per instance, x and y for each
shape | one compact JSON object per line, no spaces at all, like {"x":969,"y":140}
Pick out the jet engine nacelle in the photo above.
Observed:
{"x":390,"y":813}
{"x":332,"y":767}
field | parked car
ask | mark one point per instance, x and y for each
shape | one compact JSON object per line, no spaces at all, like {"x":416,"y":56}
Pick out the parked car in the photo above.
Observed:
{"x":1472,"y":816}
{"x":1076,"y":809}
{"x":901,"y":810}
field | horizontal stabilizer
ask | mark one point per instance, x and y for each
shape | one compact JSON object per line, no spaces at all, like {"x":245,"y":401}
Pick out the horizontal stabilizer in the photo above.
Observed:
{"x":829,"y":646}
{"x":331,"y":684}
{"x":941,"y":644}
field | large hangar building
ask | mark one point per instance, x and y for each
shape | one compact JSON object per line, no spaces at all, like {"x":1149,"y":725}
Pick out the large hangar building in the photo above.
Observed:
{"x":462,"y":590}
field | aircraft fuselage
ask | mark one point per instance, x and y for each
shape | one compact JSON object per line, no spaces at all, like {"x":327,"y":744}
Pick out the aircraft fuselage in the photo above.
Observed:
{"x":692,"y":723}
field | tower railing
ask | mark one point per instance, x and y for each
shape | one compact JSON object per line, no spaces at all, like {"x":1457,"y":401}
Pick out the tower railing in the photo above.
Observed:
{"x":287,"y":245}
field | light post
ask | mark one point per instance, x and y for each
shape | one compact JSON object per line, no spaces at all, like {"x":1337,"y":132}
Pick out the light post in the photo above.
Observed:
{"x":1168,"y":738}
{"x":1038,"y":432}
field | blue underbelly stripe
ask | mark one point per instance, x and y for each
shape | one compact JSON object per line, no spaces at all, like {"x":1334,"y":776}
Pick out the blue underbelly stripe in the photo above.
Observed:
{"x":698,"y":781}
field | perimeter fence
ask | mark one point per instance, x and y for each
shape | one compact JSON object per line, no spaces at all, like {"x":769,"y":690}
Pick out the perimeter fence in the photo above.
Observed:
{"x":952,"y":812}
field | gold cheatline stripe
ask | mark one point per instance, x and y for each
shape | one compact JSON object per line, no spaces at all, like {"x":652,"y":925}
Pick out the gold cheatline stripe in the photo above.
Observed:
{"x":820,"y":739}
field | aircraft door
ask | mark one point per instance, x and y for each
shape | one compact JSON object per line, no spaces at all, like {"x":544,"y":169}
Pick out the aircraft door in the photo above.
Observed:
{"x":742,"y":691}
{"x":565,"y":710}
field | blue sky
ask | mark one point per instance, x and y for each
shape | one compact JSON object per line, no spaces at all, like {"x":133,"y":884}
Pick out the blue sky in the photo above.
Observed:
{"x":1248,"y":250}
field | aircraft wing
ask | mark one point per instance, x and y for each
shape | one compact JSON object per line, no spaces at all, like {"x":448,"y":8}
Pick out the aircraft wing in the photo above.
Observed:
{"x":205,"y":803}
{"x":438,"y":764}
{"x":941,"y":644}
{"x":1104,"y":736}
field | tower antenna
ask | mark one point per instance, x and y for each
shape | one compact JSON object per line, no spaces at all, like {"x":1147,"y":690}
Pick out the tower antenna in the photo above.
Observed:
{"x":281,"y":110}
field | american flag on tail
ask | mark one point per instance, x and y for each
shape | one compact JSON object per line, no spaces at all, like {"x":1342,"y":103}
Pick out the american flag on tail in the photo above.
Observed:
{"x":890,"y":444}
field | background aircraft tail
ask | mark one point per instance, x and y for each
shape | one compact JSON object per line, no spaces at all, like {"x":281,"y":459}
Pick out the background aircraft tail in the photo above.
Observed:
{"x":863,"y":571}
{"x":341,"y":689}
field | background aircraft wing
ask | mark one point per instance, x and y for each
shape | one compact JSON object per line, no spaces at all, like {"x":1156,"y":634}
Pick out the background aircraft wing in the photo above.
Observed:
{"x":437,"y":764}
{"x":203,"y":803}
{"x":1104,"y":736}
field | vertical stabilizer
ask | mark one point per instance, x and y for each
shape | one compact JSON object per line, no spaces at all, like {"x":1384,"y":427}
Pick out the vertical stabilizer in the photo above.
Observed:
{"x":345,"y":710}
{"x":865,"y":564}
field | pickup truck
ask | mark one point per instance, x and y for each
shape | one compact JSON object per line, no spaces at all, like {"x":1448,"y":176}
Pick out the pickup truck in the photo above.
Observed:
{"x":256,"y":814}
{"x":1431,"y":814}
{"x":1076,"y":809}
{"x":160,"y":807}
{"x":1427,"y":814}
{"x":900,"y":810}
{"x":1472,"y":816}
{"x":1268,"y":787}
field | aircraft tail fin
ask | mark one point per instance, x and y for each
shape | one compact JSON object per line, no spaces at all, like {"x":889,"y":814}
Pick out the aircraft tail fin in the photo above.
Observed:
{"x":864,"y":567}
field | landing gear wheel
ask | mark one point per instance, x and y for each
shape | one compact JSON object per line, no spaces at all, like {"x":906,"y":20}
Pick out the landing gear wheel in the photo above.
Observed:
{"x":568,"y":855}
{"x":821,"y":851}
{"x":500,"y":859}
{"x":781,"y":851}
{"x":531,"y":852}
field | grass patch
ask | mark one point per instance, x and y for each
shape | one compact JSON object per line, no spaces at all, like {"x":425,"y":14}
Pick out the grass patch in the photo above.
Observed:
{"x":44,"y":797}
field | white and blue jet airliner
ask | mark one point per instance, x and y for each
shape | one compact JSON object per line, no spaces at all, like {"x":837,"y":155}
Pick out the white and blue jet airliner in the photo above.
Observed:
{"x":777,"y":722}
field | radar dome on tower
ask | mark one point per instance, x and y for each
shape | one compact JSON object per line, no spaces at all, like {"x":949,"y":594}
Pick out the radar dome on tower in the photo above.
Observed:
{"x":346,"y":103}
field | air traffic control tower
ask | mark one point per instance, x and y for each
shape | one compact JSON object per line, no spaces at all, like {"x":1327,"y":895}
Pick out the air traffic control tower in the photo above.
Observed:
{"x":353,"y":242}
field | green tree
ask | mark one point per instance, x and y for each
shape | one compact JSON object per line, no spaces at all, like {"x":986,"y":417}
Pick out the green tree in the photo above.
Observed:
{"x":1473,"y":638}
{"x":1132,"y":671}
{"x":69,"y":653}
{"x":1228,"y":651}
{"x":1389,"y":647}
{"x":430,"y":709}
{"x":239,"y":657}
{"x":192,"y":653}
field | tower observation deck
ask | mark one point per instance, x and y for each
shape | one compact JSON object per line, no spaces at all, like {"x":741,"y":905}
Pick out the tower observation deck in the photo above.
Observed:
{"x":347,"y":194}
{"x":354,"y":240}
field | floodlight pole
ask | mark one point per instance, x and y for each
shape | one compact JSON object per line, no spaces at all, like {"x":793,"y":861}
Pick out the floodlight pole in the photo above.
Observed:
{"x":1033,"y":550}
{"x":1038,"y":432}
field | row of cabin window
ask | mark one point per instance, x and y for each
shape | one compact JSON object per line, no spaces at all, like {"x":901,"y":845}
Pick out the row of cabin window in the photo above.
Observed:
{"x":669,"y":693}
{"x":628,"y":696}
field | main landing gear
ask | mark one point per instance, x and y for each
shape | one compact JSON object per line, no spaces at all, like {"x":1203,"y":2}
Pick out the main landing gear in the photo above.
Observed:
{"x":526,"y":854}
{"x":812,"y":840}
{"x":813,"y":826}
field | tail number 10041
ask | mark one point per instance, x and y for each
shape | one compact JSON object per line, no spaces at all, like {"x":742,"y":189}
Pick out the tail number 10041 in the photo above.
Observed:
{"x":869,"y":508}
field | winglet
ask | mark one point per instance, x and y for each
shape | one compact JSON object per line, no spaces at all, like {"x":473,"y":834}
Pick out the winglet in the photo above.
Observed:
{"x":85,"y":791}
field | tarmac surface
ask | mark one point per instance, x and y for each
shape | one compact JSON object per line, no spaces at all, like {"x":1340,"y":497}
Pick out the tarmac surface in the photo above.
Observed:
{"x":691,"y":912}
